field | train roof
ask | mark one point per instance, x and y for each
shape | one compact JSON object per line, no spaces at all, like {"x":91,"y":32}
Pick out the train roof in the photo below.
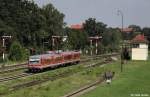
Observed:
{"x":51,"y":54}
{"x":68,"y":52}
{"x":43,"y":55}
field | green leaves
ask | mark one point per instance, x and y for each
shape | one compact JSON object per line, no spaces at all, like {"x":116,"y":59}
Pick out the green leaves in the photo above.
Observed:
{"x":28,"y":23}
{"x":17,"y":52}
{"x":94,"y":28}
{"x":77,"y":39}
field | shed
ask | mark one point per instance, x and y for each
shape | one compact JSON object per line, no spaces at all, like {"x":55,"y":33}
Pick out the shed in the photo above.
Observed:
{"x":139,"y":48}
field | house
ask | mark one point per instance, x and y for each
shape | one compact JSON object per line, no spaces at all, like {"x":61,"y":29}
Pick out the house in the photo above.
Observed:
{"x":77,"y":26}
{"x":139,"y":48}
{"x":127,"y":33}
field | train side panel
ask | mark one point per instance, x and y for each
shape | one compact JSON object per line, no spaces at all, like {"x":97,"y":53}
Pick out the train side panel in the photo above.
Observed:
{"x":45,"y":61}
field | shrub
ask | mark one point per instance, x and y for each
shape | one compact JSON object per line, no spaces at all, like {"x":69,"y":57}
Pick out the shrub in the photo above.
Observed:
{"x":17,"y":52}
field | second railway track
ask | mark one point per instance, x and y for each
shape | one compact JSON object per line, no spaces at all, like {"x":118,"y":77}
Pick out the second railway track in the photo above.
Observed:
{"x":14,"y":68}
{"x":52,"y":78}
{"x":4,"y":79}
{"x":15,"y":77}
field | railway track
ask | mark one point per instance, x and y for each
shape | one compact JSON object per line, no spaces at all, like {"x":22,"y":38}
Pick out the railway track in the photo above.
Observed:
{"x":99,"y":56}
{"x":14,"y":68}
{"x":84,"y":89}
{"x":9,"y":78}
{"x":15,"y":77}
{"x":52,"y":78}
{"x":29,"y":74}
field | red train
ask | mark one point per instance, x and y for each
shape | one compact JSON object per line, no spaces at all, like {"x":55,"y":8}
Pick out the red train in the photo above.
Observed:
{"x":53,"y":59}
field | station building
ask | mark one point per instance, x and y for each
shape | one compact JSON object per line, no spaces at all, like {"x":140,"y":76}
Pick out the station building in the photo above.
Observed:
{"x":139,"y":50}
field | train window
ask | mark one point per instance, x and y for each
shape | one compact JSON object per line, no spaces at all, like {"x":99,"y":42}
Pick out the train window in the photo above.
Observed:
{"x":34,"y":62}
{"x":68,"y":57}
{"x":58,"y":58}
{"x":48,"y":60}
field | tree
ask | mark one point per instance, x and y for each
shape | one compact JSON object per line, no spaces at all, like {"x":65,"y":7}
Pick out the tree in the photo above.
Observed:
{"x":17,"y":52}
{"x":77,"y":39}
{"x":111,"y":39}
{"x":53,"y":21}
{"x":28,"y":23}
{"x":146,"y":32}
{"x":94,"y":28}
{"x":135,"y":28}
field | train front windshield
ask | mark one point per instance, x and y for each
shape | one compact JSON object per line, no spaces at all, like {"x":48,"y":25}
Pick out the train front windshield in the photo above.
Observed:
{"x":34,"y":61}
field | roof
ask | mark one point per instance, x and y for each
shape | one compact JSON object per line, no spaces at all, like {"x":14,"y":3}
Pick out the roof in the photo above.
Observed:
{"x":139,"y":39}
{"x":95,"y":38}
{"x":127,"y":30}
{"x":76,"y":26}
{"x":40,"y":56}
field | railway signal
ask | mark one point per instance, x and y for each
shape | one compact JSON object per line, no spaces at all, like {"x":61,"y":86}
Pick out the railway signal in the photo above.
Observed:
{"x":96,"y":40}
{"x":56,"y":39}
{"x":4,"y":46}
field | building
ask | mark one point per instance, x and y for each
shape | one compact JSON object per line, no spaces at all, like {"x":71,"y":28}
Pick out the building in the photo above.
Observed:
{"x":139,"y":48}
{"x":77,"y":26}
{"x":127,"y":33}
{"x":126,"y":30}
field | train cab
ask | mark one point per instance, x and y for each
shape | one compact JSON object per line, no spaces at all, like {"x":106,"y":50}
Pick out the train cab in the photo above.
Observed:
{"x":53,"y":59}
{"x":34,"y":61}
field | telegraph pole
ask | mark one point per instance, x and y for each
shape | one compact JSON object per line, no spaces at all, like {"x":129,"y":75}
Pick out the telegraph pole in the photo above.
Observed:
{"x":119,"y":12}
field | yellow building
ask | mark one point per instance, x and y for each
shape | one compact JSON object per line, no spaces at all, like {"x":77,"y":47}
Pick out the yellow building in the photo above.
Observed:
{"x":139,"y":48}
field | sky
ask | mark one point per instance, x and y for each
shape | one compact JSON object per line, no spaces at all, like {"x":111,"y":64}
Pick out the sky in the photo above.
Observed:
{"x":77,"y":11}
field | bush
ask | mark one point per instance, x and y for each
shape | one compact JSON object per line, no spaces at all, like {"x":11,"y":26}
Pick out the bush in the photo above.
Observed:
{"x":17,"y":52}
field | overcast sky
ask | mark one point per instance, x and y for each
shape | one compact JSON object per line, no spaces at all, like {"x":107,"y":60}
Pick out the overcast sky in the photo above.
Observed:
{"x":77,"y":11}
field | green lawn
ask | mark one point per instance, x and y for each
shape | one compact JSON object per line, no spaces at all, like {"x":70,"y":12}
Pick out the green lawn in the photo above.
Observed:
{"x":72,"y":82}
{"x":134,"y":81}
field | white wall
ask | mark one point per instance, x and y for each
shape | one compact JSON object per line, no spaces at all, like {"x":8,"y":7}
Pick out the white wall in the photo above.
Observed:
{"x":140,"y":53}
{"x":142,"y":45}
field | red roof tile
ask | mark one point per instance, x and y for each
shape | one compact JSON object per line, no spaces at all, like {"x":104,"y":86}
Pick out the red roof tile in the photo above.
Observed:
{"x":127,"y":30}
{"x":139,"y":38}
{"x":76,"y":26}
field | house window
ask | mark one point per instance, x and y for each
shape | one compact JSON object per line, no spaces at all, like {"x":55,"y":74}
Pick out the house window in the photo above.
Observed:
{"x":135,"y":46}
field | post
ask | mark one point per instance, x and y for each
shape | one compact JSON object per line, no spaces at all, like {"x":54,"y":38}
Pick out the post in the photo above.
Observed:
{"x":53,"y":44}
{"x":3,"y":49}
{"x":91,"y":47}
{"x":122,"y":57}
{"x":43,"y":45}
{"x":121,"y":13}
{"x":96,"y":47}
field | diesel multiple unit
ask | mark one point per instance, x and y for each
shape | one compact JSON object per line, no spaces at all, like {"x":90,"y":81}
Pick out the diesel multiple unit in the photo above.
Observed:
{"x":53,"y":59}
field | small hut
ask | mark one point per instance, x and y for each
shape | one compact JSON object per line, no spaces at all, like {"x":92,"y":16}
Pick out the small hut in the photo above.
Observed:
{"x":139,"y":48}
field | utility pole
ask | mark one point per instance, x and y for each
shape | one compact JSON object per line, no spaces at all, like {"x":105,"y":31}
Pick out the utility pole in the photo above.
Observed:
{"x":91,"y":47}
{"x":119,"y":12}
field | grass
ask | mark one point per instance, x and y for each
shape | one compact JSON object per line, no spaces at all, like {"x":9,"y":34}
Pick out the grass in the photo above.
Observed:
{"x":10,"y":63}
{"x":7,"y":74}
{"x":5,"y":85}
{"x":61,"y":86}
{"x":134,"y":81}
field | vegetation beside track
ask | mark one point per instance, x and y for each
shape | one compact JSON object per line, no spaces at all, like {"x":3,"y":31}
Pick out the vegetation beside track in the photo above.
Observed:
{"x":86,"y":76}
{"x":40,"y":76}
{"x":16,"y":72}
{"x":62,"y":85}
{"x":12,"y":73}
{"x":133,"y":81}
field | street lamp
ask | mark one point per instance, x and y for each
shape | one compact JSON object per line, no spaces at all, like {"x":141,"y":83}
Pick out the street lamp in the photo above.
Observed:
{"x":119,"y":12}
